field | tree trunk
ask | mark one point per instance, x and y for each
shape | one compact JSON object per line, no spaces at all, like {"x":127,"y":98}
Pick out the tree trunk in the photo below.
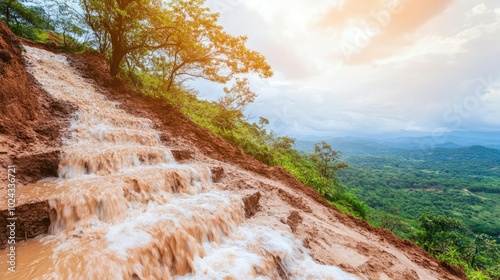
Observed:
{"x":170,"y":81}
{"x":7,"y":12}
{"x":118,"y":50}
{"x":114,"y":66}
{"x":117,"y":54}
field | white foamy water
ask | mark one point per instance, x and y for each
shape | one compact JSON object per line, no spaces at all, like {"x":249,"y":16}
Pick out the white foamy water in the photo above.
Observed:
{"x":122,"y":208}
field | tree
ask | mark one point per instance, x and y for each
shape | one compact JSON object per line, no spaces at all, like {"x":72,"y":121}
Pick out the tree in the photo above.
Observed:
{"x":327,"y":160}
{"x":125,"y":26}
{"x":262,"y":123}
{"x":6,"y":9}
{"x":204,"y":50}
{"x":484,"y":252}
{"x":67,"y":23}
{"x":238,"y":96}
{"x":440,"y":232}
{"x":175,"y":41}
{"x":283,"y":143}
{"x":390,"y":219}
{"x":24,"y":20}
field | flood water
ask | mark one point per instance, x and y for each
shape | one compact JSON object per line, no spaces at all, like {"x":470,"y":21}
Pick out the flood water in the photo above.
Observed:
{"x":122,"y":208}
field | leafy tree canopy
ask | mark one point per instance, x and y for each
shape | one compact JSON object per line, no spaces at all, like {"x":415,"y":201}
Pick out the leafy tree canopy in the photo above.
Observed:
{"x":24,"y":20}
{"x":327,"y":160}
{"x":176,"y":41}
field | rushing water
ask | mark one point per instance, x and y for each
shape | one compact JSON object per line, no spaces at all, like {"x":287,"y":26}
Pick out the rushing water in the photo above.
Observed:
{"x":122,"y":208}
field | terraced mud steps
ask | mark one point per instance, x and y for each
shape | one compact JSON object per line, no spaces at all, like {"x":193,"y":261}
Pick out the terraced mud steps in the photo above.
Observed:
{"x":123,"y":208}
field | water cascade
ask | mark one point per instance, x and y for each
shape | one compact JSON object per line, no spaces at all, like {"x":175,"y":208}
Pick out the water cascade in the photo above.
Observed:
{"x":122,"y":208}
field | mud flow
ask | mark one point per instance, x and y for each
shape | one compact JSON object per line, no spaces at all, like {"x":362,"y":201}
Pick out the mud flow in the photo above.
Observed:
{"x":122,"y":208}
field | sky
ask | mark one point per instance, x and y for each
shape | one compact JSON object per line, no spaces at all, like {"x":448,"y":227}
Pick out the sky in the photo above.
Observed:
{"x":371,"y":67}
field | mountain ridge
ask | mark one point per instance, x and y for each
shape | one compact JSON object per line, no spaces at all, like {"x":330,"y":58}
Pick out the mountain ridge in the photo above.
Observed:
{"x":370,"y":146}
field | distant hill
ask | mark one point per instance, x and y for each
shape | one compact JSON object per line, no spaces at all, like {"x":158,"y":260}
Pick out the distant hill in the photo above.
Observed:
{"x":403,"y":146}
{"x":349,"y":145}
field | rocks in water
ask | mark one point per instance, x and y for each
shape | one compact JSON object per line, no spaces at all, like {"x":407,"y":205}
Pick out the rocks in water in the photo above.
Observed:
{"x":252,"y":205}
{"x":181,"y":155}
{"x":217,"y":173}
{"x":37,"y":166}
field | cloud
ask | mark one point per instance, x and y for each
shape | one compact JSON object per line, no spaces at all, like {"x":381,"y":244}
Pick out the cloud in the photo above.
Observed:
{"x":478,"y":10}
{"x":267,"y":34}
{"x":422,"y":64}
{"x":375,"y":29}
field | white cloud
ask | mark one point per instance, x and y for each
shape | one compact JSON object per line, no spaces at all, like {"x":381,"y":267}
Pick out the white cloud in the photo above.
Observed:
{"x":409,"y":89}
{"x":478,"y":10}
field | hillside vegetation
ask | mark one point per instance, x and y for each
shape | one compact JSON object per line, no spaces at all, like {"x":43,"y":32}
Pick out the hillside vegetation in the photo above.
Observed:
{"x":462,"y":182}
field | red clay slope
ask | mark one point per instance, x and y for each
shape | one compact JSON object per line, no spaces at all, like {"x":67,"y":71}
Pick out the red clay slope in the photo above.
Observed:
{"x":30,"y":119}
{"x":30,"y":125}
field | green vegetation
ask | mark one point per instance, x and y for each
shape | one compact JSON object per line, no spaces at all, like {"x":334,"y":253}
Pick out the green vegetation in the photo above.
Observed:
{"x":449,"y":240}
{"x":269,"y":148}
{"x":326,"y":160}
{"x":460,"y":187}
{"x":54,"y":23}
{"x":29,"y":22}
{"x":461,"y":183}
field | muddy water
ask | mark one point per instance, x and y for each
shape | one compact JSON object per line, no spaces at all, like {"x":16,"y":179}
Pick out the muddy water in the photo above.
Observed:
{"x":122,"y":208}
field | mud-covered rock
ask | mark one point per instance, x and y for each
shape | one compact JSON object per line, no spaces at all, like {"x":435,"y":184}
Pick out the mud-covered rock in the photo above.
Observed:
{"x":181,"y":155}
{"x":32,"y":220}
{"x":33,"y":167}
{"x":294,"y":220}
{"x":29,"y":116}
{"x":217,"y":173}
{"x":5,"y":56}
{"x":252,"y":205}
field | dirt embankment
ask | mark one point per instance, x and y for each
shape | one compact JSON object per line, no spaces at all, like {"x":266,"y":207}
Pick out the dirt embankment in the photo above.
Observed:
{"x":30,"y":128}
{"x":31,"y":122}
